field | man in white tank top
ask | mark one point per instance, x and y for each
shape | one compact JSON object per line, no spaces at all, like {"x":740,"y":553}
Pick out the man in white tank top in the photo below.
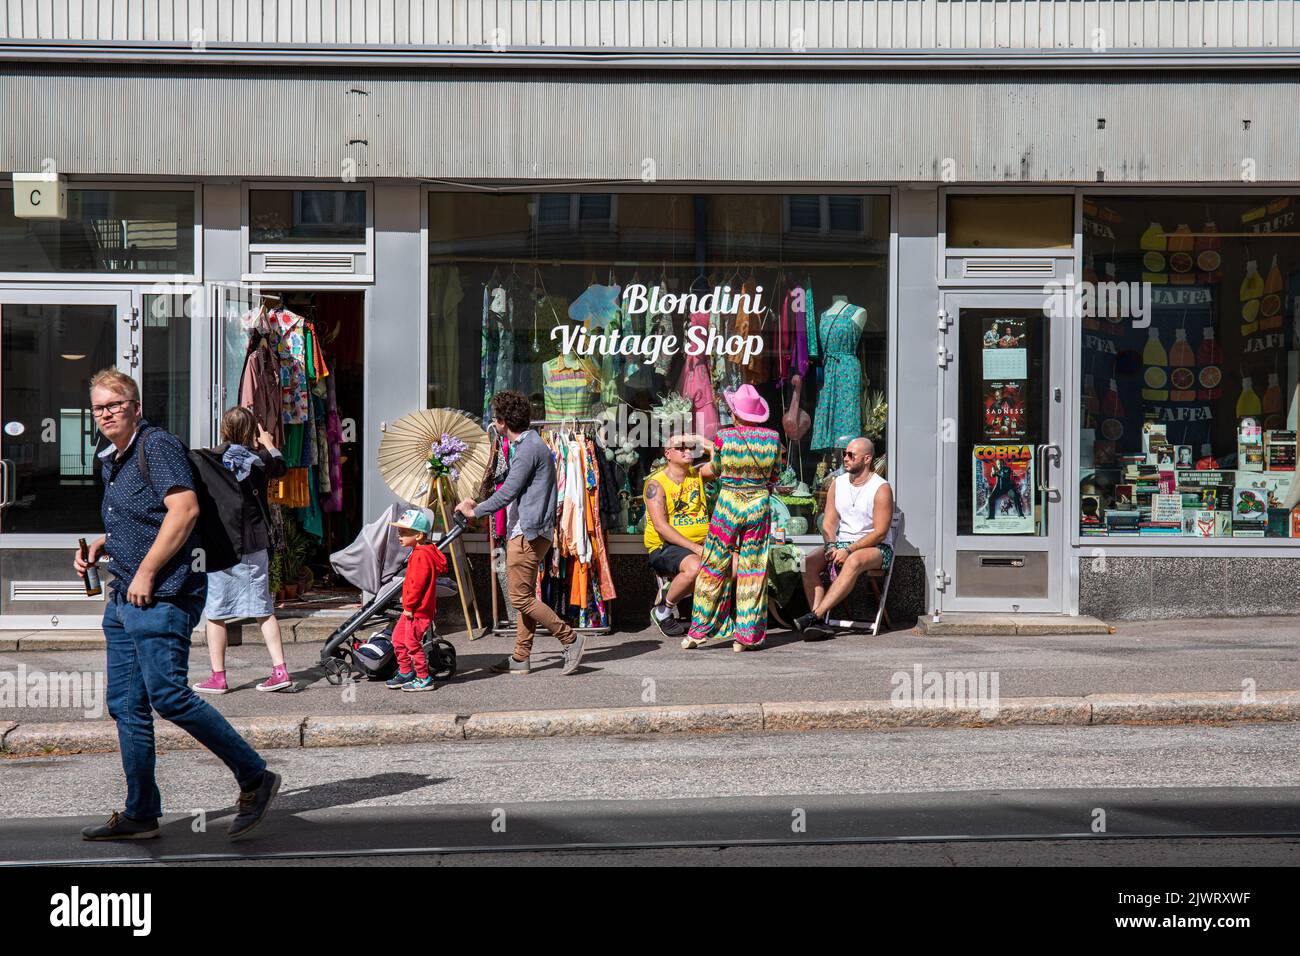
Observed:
{"x":859,"y":536}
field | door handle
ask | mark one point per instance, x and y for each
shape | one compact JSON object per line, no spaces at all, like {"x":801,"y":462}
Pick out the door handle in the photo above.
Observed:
{"x":1041,"y":455}
{"x":8,"y":482}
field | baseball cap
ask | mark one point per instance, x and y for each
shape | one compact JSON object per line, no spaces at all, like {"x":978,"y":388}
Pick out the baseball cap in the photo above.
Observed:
{"x":413,"y":519}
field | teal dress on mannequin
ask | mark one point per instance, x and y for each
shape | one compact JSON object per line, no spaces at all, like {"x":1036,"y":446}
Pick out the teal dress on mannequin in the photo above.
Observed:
{"x":838,"y":418}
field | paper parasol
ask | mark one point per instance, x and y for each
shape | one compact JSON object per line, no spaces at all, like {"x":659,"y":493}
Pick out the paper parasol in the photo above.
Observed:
{"x":404,"y":451}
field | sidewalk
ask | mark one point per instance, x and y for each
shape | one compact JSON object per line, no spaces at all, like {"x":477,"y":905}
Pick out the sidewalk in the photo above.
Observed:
{"x":656,"y":686}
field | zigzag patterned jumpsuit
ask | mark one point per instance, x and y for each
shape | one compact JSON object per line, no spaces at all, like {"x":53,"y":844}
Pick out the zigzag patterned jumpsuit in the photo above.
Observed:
{"x":746,"y":461}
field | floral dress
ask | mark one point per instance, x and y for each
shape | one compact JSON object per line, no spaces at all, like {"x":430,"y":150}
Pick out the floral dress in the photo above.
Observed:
{"x":838,"y":419}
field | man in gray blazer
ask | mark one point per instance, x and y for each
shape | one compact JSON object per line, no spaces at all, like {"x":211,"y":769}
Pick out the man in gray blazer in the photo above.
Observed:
{"x":528,"y":495}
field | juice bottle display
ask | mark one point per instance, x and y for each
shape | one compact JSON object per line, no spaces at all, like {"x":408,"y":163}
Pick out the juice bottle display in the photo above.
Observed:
{"x":1154,"y":238}
{"x":1111,"y":406}
{"x":1180,"y":353}
{"x":1248,"y":403}
{"x":1153,"y":353}
{"x":1090,"y":403}
{"x":1208,"y":237}
{"x":1270,"y":306}
{"x":1252,"y":288}
{"x":1272,"y":403}
{"x":1252,"y":285}
{"x":1154,"y":259}
{"x":1273,"y":284}
{"x":1209,"y":352}
{"x":1181,"y":239}
{"x":1208,"y":258}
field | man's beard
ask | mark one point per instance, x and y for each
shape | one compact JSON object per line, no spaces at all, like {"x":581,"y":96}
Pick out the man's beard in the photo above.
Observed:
{"x":857,"y":468}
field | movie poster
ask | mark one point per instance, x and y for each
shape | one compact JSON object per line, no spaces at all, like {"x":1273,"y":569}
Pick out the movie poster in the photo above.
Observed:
{"x":1003,"y":495}
{"x":1006,"y":349}
{"x":1004,"y":410}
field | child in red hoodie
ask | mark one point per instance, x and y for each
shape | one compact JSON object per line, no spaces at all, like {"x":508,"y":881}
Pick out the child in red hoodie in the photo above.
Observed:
{"x":419,"y":602}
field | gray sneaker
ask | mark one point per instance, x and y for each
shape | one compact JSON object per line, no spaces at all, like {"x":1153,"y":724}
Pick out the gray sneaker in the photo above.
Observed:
{"x":508,"y":665}
{"x":573,"y":653}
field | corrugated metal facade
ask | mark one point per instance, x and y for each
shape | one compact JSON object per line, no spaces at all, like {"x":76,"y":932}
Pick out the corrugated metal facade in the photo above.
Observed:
{"x":815,"y":128}
{"x":669,"y":24}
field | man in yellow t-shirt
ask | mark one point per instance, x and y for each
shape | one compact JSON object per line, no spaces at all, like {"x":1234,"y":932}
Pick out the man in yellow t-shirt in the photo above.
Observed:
{"x":677,"y":522}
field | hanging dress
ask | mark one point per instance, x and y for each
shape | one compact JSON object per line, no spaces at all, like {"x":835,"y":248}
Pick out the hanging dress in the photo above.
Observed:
{"x":696,"y":384}
{"x":838,"y":418}
{"x":747,"y":460}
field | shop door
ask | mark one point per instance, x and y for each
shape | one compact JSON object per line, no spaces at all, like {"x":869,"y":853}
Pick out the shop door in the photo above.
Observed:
{"x":51,"y":344}
{"x":1002,"y":364}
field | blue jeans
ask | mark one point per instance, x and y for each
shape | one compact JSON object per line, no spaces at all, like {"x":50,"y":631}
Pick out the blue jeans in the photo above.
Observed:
{"x":148,"y":670}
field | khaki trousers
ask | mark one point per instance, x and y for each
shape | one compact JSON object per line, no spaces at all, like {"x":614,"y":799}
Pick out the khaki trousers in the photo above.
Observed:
{"x":523,"y":558}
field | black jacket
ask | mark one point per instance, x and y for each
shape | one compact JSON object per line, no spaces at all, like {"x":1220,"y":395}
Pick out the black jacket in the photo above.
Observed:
{"x":242,"y":505}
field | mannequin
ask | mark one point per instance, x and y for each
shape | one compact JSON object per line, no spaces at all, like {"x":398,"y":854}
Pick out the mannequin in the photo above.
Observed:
{"x":838,"y":418}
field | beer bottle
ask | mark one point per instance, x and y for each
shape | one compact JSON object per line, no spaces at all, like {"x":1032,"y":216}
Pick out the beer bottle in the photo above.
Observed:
{"x":93,"y":587}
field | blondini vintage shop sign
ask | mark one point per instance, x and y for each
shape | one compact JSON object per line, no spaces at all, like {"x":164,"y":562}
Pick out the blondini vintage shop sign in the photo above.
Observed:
{"x":699,"y":339}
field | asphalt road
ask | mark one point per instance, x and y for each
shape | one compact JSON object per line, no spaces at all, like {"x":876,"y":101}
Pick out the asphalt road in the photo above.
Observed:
{"x":1167,"y":795}
{"x":631,"y":670}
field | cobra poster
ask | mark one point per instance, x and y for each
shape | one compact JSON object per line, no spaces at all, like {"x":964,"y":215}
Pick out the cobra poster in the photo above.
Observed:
{"x":1003,"y":495}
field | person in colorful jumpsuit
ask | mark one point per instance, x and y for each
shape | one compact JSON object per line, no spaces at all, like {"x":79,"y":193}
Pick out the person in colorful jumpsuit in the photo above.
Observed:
{"x":746,"y":460}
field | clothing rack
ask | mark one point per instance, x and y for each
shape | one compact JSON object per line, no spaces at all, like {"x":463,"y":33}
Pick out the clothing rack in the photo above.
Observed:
{"x":504,"y":627}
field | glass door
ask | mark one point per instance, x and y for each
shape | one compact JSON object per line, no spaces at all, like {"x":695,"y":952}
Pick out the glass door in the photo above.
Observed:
{"x":51,"y":344}
{"x":1004,"y":376}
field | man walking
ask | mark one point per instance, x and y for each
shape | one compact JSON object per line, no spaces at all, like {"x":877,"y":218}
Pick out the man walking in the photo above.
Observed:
{"x":859,"y":533}
{"x":150,"y":510}
{"x":528,"y":495}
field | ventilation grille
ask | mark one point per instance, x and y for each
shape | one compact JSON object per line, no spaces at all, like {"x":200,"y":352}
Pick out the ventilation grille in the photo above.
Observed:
{"x":50,"y":591}
{"x":1008,"y":268}
{"x":332,"y":263}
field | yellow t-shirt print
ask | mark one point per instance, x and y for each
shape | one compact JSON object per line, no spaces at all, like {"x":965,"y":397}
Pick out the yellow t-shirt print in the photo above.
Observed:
{"x":685,"y":504}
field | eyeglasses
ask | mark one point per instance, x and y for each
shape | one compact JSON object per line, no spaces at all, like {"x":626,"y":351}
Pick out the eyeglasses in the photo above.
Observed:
{"x":112,"y":408}
{"x":850,"y":454}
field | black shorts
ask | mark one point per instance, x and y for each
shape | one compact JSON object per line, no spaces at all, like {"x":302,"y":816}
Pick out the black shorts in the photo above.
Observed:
{"x":668,"y":559}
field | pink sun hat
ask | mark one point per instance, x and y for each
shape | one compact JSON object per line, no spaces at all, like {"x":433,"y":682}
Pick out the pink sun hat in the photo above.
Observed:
{"x":746,"y":403}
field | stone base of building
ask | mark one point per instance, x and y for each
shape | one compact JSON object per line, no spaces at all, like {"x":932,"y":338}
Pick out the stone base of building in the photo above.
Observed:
{"x":1136,"y":589}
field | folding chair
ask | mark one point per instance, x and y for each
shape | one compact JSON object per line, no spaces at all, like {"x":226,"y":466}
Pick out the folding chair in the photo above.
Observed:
{"x":881,"y":590}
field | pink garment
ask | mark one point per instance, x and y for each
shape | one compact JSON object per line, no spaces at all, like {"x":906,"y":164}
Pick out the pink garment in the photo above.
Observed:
{"x":499,"y":519}
{"x":696,"y":384}
{"x":334,"y":435}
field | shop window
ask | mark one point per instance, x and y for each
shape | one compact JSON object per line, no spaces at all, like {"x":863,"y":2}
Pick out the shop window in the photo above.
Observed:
{"x":824,"y":215}
{"x":1010,"y":222}
{"x":1190,"y":367}
{"x":546,"y":283}
{"x":574,"y":211}
{"x":107,"y":230}
{"x":307,"y":216}
{"x":165,"y":362}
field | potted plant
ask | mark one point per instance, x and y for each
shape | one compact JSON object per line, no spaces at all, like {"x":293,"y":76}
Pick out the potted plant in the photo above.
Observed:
{"x":293,"y":558}
{"x":275,"y":575}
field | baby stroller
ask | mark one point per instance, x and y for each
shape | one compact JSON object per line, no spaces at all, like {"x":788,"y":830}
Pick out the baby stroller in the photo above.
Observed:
{"x":362,"y":646}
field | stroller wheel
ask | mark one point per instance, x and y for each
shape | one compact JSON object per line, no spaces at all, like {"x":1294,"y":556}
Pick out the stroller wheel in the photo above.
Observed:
{"x":336,"y":670}
{"x":441,"y":655}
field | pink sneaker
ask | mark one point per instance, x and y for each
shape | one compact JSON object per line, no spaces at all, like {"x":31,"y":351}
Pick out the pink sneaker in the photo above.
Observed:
{"x":279,"y":679}
{"x":216,"y":684}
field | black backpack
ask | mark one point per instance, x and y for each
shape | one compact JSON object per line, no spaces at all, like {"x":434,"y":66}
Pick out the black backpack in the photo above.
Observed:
{"x":220,"y":531}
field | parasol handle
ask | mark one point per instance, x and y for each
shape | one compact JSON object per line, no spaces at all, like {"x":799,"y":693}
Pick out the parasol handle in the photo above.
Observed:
{"x":455,"y":563}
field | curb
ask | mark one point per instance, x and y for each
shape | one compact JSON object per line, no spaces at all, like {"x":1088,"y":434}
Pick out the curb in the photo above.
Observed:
{"x":1212,"y":707}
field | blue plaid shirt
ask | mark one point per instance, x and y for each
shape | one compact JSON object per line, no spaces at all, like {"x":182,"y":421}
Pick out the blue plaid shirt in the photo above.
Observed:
{"x":133,"y":512}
